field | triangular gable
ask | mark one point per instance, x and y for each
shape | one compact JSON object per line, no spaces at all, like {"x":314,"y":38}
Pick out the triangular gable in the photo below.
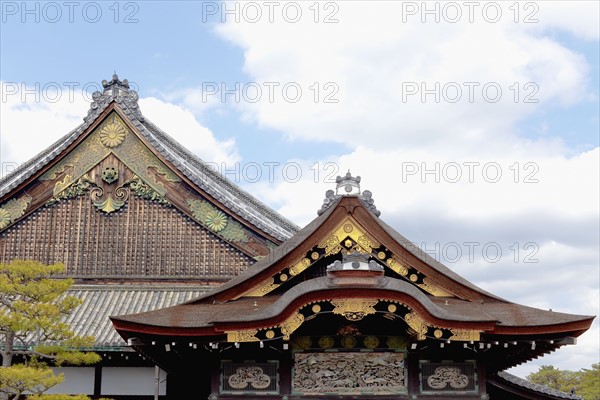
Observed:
{"x":161,"y":171}
{"x":346,"y":226}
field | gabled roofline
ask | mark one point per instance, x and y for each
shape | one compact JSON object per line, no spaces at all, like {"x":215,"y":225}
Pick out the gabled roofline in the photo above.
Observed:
{"x":119,"y":97}
{"x":315,"y":231}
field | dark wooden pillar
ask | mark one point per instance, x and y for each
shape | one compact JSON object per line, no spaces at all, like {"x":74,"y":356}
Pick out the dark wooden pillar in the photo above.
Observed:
{"x":412,"y":368}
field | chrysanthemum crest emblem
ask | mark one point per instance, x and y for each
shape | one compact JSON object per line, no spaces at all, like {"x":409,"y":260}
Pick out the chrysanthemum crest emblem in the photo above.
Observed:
{"x":216,"y":221}
{"x":5,"y":218}
{"x":113,"y":133}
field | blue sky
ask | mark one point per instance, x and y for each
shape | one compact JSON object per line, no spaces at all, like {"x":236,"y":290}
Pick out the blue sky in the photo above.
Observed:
{"x":374,"y":59}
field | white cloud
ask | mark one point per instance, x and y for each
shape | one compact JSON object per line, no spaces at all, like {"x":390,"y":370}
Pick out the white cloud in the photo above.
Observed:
{"x":181,"y":124}
{"x":374,"y":60}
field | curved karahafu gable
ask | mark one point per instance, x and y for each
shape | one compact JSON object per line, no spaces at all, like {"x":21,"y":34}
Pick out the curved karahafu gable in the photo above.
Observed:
{"x":348,"y":264}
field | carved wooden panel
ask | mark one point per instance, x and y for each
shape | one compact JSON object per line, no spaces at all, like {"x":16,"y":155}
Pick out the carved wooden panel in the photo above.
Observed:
{"x":142,"y":239}
{"x":448,"y":377}
{"x":349,"y":373}
{"x":249,"y":377}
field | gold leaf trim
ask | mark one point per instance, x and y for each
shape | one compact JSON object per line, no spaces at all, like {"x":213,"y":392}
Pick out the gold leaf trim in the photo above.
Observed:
{"x":397,"y":267}
{"x":291,"y":324}
{"x":264,"y":288}
{"x":417,"y":324}
{"x":433,"y":289}
{"x":248,"y":335}
{"x":354,"y":309}
{"x":299,"y":266}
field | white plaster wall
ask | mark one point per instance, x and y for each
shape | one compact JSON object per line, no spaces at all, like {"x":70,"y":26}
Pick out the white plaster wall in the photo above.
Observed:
{"x":78,"y":380}
{"x":131,"y":381}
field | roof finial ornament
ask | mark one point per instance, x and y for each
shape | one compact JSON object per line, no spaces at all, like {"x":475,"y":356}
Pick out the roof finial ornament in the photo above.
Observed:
{"x":349,"y":185}
{"x":115,"y":90}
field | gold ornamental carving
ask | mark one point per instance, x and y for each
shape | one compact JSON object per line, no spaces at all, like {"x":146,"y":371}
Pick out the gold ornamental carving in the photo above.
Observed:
{"x":265,"y":287}
{"x":5,"y":218}
{"x":248,"y":335}
{"x":291,"y":324}
{"x":433,"y":289}
{"x":417,"y":324}
{"x":331,"y":245}
{"x":113,"y":137}
{"x":397,"y":267}
{"x":299,"y":266}
{"x":354,"y":309}
{"x":465,"y":335}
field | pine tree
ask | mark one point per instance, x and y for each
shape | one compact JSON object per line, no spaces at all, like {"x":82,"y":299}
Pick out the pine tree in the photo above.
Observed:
{"x":33,"y":336}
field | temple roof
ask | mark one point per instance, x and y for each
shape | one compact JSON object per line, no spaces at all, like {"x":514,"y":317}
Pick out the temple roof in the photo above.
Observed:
{"x":505,"y":379}
{"x":100,"y":301}
{"x":117,"y":93}
{"x":272,"y":290}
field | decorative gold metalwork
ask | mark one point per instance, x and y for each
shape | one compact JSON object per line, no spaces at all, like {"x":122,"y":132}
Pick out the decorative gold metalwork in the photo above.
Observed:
{"x":381,"y":255}
{"x":62,"y":185}
{"x":414,"y":277}
{"x":234,"y":232}
{"x":326,"y":342}
{"x":13,"y":209}
{"x":241,"y":336}
{"x":354,"y":309}
{"x":371,"y":342}
{"x":465,"y":335}
{"x":314,"y":255}
{"x":397,"y":342}
{"x":392,"y":308}
{"x":5,"y":218}
{"x":433,"y":289}
{"x":417,"y":324}
{"x":283,"y":277}
{"x":291,"y":324}
{"x":131,"y":151}
{"x":270,"y":334}
{"x":438,"y":333}
{"x":79,"y":188}
{"x":140,"y":189}
{"x":364,"y":242}
{"x":299,"y":266}
{"x":348,"y":342}
{"x":215,"y":221}
{"x":348,"y":228}
{"x":109,"y":204}
{"x":301,"y":342}
{"x":316,"y":308}
{"x":397,"y":267}
{"x":113,"y":133}
{"x":331,"y":245}
{"x":110,"y":174}
{"x":265,"y":287}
